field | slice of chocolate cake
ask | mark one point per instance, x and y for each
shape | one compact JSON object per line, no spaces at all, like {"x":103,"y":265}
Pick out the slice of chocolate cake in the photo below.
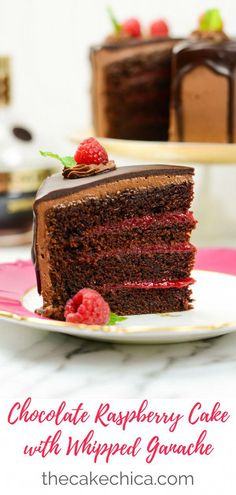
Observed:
{"x":124,"y":232}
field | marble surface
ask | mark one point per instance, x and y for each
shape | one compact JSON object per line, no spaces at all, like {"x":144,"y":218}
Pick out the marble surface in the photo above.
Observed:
{"x":43,"y":364}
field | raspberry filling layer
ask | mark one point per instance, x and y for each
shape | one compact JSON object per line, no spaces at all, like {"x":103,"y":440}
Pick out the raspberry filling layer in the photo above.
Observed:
{"x":162,"y":284}
{"x":162,"y":219}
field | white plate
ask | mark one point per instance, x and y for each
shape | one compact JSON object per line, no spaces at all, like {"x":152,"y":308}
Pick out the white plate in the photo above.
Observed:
{"x":214,"y":314}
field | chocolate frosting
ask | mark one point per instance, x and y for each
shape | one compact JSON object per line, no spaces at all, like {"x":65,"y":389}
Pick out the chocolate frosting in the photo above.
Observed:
{"x":216,"y":36}
{"x":120,"y":37}
{"x":218,"y":56}
{"x":84,"y":170}
{"x":55,"y":186}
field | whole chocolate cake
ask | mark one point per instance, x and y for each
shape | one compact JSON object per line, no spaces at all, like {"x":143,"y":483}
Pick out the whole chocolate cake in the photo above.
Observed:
{"x":154,"y":87}
{"x":122,"y":231}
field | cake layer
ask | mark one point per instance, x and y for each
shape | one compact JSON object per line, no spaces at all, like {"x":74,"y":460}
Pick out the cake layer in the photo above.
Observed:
{"x":125,"y":204}
{"x":166,"y":228}
{"x":137,"y":250}
{"x":131,"y":301}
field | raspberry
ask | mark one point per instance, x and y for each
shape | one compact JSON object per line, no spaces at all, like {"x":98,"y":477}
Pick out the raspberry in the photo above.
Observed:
{"x":132,"y":27}
{"x":88,"y":307}
{"x":159,"y":28}
{"x":90,"y":151}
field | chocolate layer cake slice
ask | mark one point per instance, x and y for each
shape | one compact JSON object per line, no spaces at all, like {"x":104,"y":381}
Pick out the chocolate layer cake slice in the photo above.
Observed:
{"x":124,"y":233}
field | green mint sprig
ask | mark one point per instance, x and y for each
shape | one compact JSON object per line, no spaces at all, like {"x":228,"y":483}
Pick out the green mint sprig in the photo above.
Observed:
{"x":116,"y":25}
{"x":114,"y":318}
{"x":211,"y":20}
{"x":67,"y":161}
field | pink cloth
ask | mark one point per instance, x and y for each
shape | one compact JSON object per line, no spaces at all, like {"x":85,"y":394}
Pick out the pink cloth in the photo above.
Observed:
{"x":217,"y":260}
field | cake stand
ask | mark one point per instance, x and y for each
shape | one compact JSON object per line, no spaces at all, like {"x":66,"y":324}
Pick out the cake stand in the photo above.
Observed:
{"x":215,"y":179}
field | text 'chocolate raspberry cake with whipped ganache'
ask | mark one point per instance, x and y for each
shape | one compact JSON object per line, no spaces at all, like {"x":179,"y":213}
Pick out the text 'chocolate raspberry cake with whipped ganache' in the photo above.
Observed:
{"x":123,"y":232}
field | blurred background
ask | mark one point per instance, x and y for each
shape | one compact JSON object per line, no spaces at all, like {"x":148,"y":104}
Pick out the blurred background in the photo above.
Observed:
{"x":47,"y":42}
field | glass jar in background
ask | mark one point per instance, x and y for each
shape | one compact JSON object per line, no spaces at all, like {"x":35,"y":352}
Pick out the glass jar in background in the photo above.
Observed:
{"x":22,"y":170}
{"x":17,"y":192}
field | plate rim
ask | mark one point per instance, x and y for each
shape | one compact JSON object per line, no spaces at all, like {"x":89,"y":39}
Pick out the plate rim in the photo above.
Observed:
{"x":114,"y":329}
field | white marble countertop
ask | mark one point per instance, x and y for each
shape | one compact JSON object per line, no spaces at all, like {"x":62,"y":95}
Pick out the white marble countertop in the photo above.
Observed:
{"x":50,"y":365}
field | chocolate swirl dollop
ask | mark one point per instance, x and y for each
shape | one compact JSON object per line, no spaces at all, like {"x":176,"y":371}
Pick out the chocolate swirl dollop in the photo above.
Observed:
{"x":120,"y":37}
{"x":83,"y":170}
{"x":217,"y":36}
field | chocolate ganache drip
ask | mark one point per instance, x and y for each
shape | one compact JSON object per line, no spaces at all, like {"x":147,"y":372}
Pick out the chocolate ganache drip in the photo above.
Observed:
{"x":84,"y":170}
{"x":220,"y":58}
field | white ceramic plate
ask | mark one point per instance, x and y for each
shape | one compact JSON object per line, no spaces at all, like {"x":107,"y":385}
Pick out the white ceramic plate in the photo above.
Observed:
{"x":214,"y":314}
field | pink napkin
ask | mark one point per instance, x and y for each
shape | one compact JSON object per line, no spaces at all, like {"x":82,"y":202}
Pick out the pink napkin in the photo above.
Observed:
{"x":217,"y":259}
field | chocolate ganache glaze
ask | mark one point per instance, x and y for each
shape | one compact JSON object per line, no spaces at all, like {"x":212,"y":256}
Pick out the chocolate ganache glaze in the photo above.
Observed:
{"x":56,"y":187}
{"x":219,"y":56}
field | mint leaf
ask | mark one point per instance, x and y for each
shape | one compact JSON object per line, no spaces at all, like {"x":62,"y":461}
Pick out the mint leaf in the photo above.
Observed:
{"x":211,"y":20}
{"x":116,"y":25}
{"x":215,"y":21}
{"x":67,"y":161}
{"x":114,"y":318}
